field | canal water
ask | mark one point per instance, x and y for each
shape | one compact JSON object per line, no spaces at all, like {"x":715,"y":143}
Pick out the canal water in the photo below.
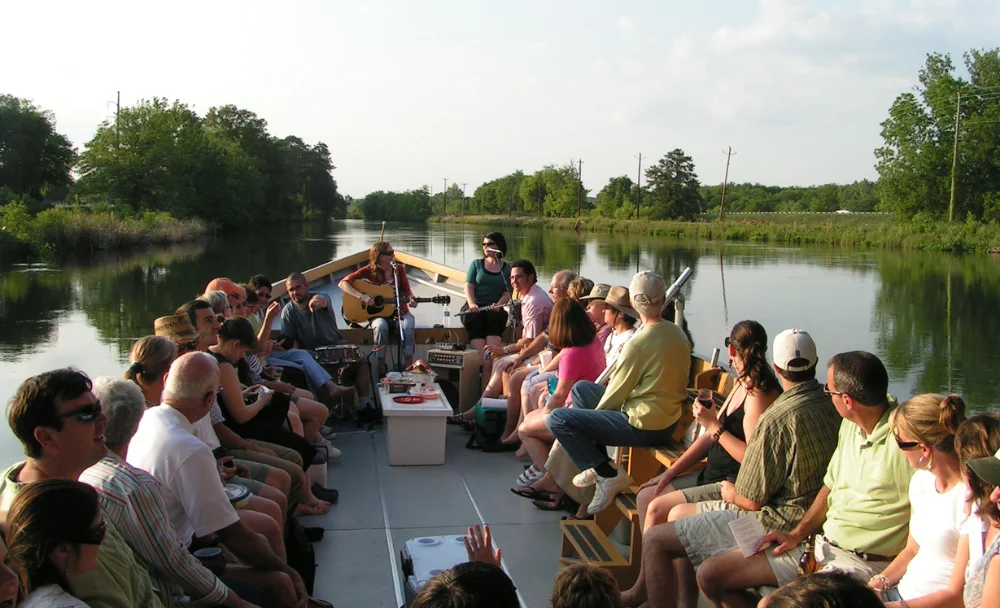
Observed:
{"x":930,"y":317}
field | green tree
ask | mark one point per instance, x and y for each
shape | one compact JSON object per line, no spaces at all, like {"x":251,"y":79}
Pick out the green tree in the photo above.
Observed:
{"x":674,"y":191}
{"x":617,"y":198}
{"x":914,"y":164}
{"x":34,"y":158}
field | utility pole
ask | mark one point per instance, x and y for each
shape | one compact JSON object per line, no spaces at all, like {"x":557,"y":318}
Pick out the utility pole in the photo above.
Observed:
{"x":445,"y":194}
{"x":538,"y":196}
{"x":579,"y":188}
{"x":510,"y":205}
{"x":954,"y":159}
{"x":118,"y":110}
{"x":638,"y":189}
{"x":461,"y":207}
{"x":725,"y":181}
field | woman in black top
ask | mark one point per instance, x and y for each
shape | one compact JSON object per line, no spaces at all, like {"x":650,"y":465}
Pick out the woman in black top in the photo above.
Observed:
{"x":726,"y":433}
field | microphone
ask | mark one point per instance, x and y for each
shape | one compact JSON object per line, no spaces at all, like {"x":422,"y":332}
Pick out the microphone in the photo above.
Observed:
{"x":393,"y":264}
{"x":496,"y":251}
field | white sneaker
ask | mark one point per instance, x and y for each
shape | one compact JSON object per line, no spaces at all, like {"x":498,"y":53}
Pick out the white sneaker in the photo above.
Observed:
{"x":325,"y":446}
{"x":607,"y":489}
{"x":530,"y":476}
{"x":585,"y":479}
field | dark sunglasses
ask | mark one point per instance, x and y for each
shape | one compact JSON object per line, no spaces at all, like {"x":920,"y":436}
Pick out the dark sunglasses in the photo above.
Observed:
{"x":87,"y":413}
{"x":829,"y":393}
{"x":93,"y":536}
{"x":728,"y":341}
{"x":489,"y":244}
{"x":905,"y":445}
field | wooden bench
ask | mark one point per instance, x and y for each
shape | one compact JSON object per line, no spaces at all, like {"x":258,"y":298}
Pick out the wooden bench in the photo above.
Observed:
{"x":585,"y":542}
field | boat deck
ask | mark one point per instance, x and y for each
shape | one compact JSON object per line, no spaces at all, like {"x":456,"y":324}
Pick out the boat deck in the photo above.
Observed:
{"x":380,"y":507}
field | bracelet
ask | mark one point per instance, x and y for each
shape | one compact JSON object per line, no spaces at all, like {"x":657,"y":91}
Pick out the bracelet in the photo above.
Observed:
{"x":506,"y":350}
{"x":718,"y":433}
{"x":885,"y":582}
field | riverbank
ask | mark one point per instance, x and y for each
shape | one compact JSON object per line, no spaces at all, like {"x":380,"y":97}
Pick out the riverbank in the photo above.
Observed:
{"x":871,"y":231}
{"x":24,"y":236}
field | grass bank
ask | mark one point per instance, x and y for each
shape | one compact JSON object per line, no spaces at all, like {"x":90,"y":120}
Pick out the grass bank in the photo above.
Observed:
{"x":24,"y":236}
{"x":871,"y":231}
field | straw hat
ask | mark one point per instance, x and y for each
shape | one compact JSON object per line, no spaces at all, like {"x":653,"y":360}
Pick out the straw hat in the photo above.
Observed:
{"x":176,"y":328}
{"x":618,"y":299}
{"x":599,"y":292}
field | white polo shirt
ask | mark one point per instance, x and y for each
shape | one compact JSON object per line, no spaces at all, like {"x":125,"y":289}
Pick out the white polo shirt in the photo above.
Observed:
{"x":167,"y":449}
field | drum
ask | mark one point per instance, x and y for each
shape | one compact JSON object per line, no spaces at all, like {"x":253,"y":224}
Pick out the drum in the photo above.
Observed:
{"x":341,"y":361}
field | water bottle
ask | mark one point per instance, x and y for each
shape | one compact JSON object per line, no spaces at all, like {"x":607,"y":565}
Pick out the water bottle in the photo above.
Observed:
{"x":446,"y":316}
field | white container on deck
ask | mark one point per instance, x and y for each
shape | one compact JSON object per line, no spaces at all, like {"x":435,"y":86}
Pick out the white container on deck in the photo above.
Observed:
{"x":414,"y":433}
{"x":422,"y":558}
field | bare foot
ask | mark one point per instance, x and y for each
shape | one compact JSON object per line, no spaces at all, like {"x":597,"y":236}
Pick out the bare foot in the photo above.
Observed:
{"x":317,"y":507}
{"x":547,"y":485}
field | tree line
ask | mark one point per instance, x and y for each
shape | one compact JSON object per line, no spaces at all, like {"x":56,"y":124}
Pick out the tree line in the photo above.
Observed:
{"x":161,"y":156}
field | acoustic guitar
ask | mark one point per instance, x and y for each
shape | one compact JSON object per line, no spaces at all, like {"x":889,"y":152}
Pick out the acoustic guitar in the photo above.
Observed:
{"x":384,"y":305}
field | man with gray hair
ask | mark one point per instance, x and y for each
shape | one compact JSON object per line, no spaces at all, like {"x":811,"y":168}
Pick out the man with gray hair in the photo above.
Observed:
{"x":131,"y":498}
{"x":196,"y":501}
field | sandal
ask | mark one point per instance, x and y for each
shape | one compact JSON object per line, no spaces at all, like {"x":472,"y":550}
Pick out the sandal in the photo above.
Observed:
{"x":462,"y":421}
{"x":317,"y":603}
{"x":573,"y":517}
{"x":558,"y":503}
{"x":532,"y":494}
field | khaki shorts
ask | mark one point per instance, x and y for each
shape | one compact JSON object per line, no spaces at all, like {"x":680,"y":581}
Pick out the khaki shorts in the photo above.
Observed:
{"x":699,"y":494}
{"x":707,"y":534}
{"x":828,"y":557}
{"x":711,"y":506}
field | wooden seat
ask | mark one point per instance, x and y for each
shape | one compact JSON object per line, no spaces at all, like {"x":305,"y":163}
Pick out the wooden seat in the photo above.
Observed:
{"x":585,"y":542}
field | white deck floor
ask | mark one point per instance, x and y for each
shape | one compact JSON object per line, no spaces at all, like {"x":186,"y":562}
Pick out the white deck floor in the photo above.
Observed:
{"x":380,"y":505}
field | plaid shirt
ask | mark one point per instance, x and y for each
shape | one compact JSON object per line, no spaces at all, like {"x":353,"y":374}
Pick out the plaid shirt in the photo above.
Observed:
{"x":786,"y":459}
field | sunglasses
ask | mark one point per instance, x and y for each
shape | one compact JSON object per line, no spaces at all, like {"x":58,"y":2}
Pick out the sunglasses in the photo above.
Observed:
{"x":728,"y":341}
{"x":906,"y":445}
{"x":829,"y":393}
{"x":489,"y":244}
{"x":93,"y":536}
{"x":87,"y":413}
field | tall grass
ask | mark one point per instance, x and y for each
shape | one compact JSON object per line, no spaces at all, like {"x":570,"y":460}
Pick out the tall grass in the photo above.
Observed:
{"x":870,"y":231}
{"x":78,"y":228}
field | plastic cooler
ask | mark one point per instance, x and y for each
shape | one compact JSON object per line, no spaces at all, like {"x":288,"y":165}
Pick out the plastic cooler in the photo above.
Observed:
{"x":423,"y":557}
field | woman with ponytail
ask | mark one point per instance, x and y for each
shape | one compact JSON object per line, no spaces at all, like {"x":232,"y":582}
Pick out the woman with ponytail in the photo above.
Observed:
{"x":726,"y":434}
{"x":922,"y":574}
{"x":149,"y":360}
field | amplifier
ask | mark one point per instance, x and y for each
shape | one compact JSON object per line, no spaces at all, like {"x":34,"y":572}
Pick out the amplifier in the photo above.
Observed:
{"x":462,"y":368}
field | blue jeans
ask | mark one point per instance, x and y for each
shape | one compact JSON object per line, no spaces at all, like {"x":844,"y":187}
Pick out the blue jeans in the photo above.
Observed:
{"x":586,"y":395}
{"x":384,"y":329}
{"x":584,"y":433}
{"x":303,"y":359}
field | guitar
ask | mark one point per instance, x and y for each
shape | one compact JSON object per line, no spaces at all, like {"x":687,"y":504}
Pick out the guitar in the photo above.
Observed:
{"x":384,"y":304}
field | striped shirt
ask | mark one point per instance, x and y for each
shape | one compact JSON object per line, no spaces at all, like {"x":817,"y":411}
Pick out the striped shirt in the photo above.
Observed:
{"x":130,"y":498}
{"x":786,"y":458}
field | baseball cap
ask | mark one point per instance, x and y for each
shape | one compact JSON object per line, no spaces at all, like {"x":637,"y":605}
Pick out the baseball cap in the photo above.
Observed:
{"x":987,"y":469}
{"x":648,"y":292}
{"x":794,"y":350}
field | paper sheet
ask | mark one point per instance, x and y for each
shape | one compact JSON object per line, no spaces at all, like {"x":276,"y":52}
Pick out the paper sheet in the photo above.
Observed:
{"x":747,"y":531}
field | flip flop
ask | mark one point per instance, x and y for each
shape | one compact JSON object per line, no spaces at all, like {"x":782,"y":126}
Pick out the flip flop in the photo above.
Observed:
{"x":556,"y":504}
{"x":573,"y":517}
{"x":462,"y":421}
{"x":531,"y":493}
{"x":319,"y":603}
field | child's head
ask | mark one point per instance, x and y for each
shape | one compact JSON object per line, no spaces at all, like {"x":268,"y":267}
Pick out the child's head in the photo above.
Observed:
{"x":585,"y":586}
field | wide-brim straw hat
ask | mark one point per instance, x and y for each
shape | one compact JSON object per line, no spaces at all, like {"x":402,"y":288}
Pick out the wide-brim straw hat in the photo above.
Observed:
{"x":618,"y":298}
{"x":599,"y":292}
{"x":177,"y":329}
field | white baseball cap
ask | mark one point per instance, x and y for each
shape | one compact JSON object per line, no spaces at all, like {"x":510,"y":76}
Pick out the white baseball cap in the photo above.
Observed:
{"x":794,"y":350}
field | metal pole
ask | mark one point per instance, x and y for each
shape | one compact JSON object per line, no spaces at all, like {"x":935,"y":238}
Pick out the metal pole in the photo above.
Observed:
{"x":638,"y":188}
{"x":579,"y":188}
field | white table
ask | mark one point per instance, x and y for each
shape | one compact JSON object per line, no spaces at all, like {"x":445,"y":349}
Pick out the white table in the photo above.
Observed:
{"x":414,"y":433}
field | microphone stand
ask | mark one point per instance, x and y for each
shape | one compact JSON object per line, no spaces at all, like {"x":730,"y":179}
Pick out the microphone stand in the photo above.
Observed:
{"x":399,"y":317}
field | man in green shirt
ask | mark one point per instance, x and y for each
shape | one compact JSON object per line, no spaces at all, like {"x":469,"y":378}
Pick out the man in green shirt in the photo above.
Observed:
{"x":863,"y":507}
{"x":61,"y":426}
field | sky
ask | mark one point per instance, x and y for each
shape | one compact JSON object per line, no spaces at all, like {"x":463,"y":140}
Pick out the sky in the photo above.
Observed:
{"x":407,"y":93}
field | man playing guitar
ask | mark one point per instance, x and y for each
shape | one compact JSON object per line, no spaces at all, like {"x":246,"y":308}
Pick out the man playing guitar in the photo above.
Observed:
{"x":383,"y":270}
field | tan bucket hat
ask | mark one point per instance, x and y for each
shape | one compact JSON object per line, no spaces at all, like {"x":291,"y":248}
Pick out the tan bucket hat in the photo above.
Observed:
{"x":618,"y":299}
{"x":599,"y":292}
{"x":176,"y":328}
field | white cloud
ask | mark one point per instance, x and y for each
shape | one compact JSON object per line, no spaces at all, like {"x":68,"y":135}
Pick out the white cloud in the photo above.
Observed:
{"x":626,"y":23}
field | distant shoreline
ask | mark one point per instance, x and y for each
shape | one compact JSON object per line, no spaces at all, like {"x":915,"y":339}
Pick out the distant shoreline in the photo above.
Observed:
{"x":871,"y":231}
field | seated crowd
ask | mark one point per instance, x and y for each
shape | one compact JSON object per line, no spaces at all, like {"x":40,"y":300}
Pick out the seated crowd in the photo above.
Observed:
{"x":204,"y":447}
{"x":863,"y":500}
